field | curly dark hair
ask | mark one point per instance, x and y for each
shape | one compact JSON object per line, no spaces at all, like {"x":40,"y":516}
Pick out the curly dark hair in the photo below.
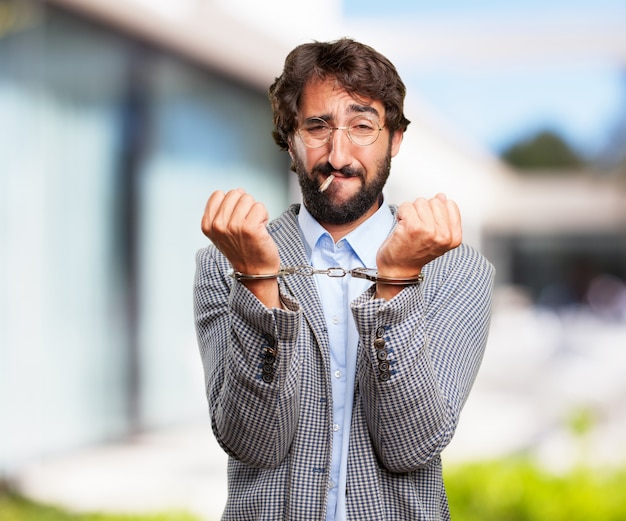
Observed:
{"x":359,"y":69}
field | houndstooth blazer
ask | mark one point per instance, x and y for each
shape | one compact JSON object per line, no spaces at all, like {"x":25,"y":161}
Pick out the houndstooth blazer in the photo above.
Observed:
{"x":269,"y":391}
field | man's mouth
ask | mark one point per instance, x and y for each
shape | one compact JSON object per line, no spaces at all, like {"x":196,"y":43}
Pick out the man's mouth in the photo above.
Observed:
{"x":332,"y":174}
{"x":326,"y":183}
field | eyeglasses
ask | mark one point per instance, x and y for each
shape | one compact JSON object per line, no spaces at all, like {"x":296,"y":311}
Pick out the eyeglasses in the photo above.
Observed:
{"x":361,"y":130}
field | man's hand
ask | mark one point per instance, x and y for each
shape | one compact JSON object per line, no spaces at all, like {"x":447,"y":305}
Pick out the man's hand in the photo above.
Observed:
{"x":236,"y":224}
{"x":426,"y":229}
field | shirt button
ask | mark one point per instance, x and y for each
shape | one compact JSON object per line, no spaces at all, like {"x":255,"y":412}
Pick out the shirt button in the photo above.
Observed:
{"x":338,"y":374}
{"x":331,"y":484}
{"x":335,"y":320}
{"x":335,"y":427}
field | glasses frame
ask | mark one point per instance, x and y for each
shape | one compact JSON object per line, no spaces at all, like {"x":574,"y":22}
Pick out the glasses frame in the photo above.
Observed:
{"x":332,"y":129}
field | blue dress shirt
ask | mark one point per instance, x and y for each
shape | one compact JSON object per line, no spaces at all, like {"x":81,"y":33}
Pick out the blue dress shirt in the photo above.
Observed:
{"x":357,"y":249}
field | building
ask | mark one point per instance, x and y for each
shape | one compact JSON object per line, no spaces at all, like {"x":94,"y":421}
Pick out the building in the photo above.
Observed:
{"x":117,"y":119}
{"x":117,"y":123}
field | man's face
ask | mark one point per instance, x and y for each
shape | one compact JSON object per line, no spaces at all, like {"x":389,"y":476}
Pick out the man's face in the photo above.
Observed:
{"x":360,"y":171}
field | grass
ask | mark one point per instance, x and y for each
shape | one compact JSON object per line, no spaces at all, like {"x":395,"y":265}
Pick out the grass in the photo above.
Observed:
{"x":517,"y":489}
{"x":14,"y":507}
{"x":512,"y":489}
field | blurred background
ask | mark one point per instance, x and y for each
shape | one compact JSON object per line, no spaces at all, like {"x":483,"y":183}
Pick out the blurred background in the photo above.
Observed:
{"x":118,"y":118}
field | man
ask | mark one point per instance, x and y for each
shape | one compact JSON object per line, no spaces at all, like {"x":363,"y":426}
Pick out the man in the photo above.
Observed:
{"x":334,"y":391}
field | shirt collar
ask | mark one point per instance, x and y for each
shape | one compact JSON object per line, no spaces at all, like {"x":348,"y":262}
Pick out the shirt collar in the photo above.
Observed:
{"x":373,"y":231}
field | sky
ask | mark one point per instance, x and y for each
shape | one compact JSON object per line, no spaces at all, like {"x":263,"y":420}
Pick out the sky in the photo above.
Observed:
{"x":581,"y":98}
{"x":448,"y":7}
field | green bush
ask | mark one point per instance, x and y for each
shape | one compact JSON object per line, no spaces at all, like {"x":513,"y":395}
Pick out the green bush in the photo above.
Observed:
{"x":16,"y":508}
{"x":503,"y":490}
{"x":519,"y":490}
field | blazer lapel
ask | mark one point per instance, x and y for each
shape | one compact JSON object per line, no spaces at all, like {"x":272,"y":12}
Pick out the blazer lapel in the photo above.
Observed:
{"x":286,"y":234}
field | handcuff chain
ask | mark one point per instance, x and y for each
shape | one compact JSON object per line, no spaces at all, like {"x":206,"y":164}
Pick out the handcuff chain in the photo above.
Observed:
{"x":370,"y":274}
{"x":309,"y":271}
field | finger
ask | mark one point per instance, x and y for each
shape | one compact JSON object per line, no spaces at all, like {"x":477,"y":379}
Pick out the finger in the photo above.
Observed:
{"x":442,"y":197}
{"x":407,"y":212}
{"x":223,"y":216}
{"x":258,"y":214}
{"x":448,"y":221}
{"x":210,"y":210}
{"x":239,"y":214}
{"x":439,"y":209}
{"x":455,"y":222}
{"x":425,"y":214}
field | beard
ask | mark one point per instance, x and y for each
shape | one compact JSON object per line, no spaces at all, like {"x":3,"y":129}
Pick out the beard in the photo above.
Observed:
{"x":323,"y":207}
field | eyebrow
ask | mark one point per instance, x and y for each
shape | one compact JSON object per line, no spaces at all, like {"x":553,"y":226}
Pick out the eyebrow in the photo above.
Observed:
{"x":353,"y":108}
{"x":363,"y":109}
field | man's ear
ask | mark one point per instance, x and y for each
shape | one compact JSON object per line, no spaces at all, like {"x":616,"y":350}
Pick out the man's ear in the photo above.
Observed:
{"x":290,"y":147}
{"x":396,"y":141}
{"x":292,"y":167}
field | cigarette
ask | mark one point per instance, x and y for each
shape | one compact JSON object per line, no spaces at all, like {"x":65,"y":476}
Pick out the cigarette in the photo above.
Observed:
{"x":326,"y":183}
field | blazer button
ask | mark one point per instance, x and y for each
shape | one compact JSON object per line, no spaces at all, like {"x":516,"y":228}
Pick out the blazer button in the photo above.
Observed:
{"x":379,"y":343}
{"x":380,"y":332}
{"x":383,"y":366}
{"x":384,"y":376}
{"x":381,"y":354}
{"x":268,"y":378}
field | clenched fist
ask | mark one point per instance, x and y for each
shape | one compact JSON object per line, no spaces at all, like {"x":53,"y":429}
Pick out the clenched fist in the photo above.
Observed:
{"x":237,"y":226}
{"x":426,"y":229}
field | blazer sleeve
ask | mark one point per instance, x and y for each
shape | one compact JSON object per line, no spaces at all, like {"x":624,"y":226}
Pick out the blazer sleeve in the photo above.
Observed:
{"x":433,"y":337}
{"x":249,"y":364}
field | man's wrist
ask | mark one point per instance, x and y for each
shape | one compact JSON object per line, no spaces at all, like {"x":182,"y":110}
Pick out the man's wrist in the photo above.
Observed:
{"x":373,"y":276}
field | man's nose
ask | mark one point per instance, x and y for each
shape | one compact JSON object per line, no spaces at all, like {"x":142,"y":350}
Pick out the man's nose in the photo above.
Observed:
{"x":340,"y":147}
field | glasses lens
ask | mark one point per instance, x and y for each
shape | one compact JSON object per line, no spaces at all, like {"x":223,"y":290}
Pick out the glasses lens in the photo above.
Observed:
{"x":315,"y":132}
{"x":363,"y":130}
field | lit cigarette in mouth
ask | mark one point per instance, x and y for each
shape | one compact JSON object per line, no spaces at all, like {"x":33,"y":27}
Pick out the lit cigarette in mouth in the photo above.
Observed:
{"x":326,"y":183}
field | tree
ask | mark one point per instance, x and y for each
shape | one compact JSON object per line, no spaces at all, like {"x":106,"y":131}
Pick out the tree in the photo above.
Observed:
{"x":545,"y":150}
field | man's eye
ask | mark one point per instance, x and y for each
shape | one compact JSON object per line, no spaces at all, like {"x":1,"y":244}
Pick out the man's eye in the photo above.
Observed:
{"x":363,"y":127}
{"x":316,"y":129}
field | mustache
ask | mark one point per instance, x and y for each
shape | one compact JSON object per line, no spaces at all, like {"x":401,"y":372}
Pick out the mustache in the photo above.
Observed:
{"x":327,"y":169}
